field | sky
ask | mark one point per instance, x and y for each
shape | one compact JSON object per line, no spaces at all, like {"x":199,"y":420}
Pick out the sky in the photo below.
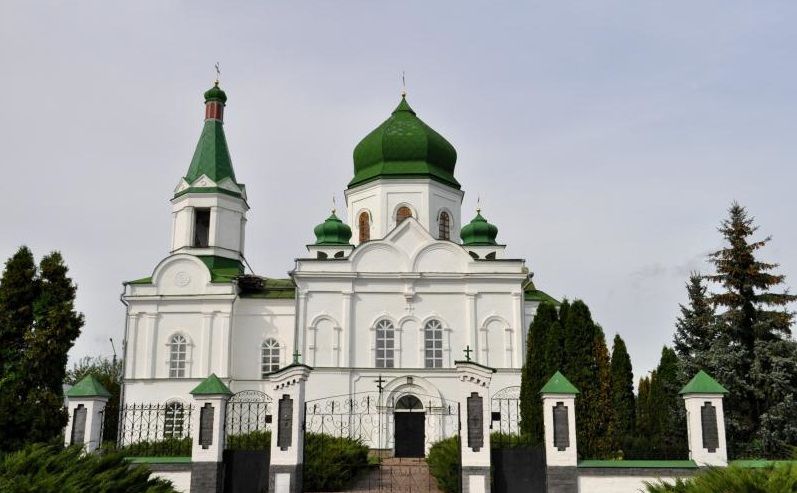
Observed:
{"x":606,"y":139}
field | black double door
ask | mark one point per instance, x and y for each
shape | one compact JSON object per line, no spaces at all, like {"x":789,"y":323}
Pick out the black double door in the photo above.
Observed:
{"x":409,"y":434}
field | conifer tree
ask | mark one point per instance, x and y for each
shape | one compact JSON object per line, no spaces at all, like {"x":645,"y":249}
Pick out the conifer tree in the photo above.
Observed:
{"x":754,"y":321}
{"x":535,"y":372}
{"x":598,"y":401}
{"x":623,"y":404}
{"x":644,"y":421}
{"x":695,"y":329}
{"x":668,"y":430}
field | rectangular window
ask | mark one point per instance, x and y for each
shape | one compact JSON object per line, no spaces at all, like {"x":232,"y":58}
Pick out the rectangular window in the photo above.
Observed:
{"x":201,"y":227}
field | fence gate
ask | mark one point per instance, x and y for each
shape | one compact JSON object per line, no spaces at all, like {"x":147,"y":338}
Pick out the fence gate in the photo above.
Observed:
{"x":518,"y":466}
{"x":247,"y":449}
{"x":395,"y":434}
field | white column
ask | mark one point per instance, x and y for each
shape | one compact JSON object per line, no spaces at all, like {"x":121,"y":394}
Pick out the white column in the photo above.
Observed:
{"x":470,"y":317}
{"x":90,"y":412}
{"x":226,"y":339}
{"x":517,"y":322}
{"x":347,"y":352}
{"x":705,"y":412}
{"x":131,"y":349}
{"x":287,"y":388}
{"x":151,"y":328}
{"x":559,"y":421}
{"x":474,"y":397}
{"x":205,"y":351}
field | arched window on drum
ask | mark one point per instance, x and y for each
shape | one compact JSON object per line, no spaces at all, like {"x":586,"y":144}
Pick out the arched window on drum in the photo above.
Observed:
{"x":402,"y":213}
{"x":364,"y":226}
{"x":444,"y":226}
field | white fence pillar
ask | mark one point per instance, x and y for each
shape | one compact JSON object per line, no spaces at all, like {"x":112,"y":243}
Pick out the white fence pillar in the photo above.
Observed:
{"x":559,"y":420}
{"x":287,"y":437}
{"x":87,"y":400}
{"x":207,"y":444}
{"x":705,"y":420}
{"x":474,"y":397}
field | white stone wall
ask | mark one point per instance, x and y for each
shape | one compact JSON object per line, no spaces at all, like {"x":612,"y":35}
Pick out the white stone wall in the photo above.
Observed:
{"x":617,"y":484}
{"x":181,"y":480}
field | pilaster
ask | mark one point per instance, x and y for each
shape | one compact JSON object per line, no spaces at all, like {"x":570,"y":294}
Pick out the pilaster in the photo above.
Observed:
{"x":474,"y":382}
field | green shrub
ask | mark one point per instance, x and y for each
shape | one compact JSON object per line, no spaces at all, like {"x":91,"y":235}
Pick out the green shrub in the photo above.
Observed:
{"x":509,"y":440}
{"x":444,"y":461}
{"x":170,"y":447}
{"x":47,"y":468}
{"x":331,"y":463}
{"x":780,"y":478}
{"x":254,"y":440}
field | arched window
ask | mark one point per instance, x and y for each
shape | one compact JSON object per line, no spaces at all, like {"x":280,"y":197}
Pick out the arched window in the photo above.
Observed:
{"x":178,"y":349}
{"x":433,"y":344}
{"x":385,"y":344}
{"x":269,"y":357}
{"x":444,"y":226}
{"x":402,"y":213}
{"x":364,"y":224}
{"x":408,"y":403}
{"x":173,"y":420}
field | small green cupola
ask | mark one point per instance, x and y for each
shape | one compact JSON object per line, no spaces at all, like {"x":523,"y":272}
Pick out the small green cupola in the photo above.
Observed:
{"x":479,"y":232}
{"x":702,"y":383}
{"x":333,"y":231}
{"x":403,"y":146}
{"x":215,"y":94}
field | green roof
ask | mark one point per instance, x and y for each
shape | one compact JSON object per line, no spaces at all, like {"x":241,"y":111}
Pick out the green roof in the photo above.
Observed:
{"x":159,"y":460}
{"x":702,"y":383}
{"x":212,"y":156}
{"x":222,"y":269}
{"x":558,"y":384}
{"x":533,"y":294}
{"x":478,"y":232}
{"x":403,"y":146}
{"x":211,"y":386}
{"x":333,"y":231}
{"x":283,"y":289}
{"x":643,"y":464}
{"x":88,"y":387}
{"x":215,"y":94}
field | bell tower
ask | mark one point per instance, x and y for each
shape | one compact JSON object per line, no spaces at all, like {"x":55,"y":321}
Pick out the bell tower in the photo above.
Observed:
{"x":209,"y":205}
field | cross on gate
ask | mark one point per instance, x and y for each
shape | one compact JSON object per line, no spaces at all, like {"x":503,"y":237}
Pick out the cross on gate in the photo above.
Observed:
{"x":296,"y":355}
{"x":467,"y":352}
{"x":379,"y":381}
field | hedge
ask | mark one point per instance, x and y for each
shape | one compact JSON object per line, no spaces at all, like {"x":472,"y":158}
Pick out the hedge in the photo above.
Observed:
{"x":444,"y":461}
{"x":332,"y":463}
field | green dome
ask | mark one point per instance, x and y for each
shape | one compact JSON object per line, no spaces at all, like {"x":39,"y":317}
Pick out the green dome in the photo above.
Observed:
{"x":404,"y":146}
{"x":333,"y":231}
{"x":215,"y":94}
{"x":479,"y":232}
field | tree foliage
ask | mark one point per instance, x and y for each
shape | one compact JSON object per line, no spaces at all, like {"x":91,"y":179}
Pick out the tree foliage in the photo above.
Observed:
{"x":543,"y":357}
{"x":623,"y":403}
{"x":696,"y":329}
{"x":38,"y":325}
{"x":53,"y":469}
{"x":776,"y":478}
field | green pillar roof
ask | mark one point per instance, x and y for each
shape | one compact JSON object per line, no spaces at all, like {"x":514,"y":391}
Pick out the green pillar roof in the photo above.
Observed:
{"x":88,"y":387}
{"x":558,"y":384}
{"x":403,"y":146}
{"x":478,"y":232}
{"x":333,"y":231}
{"x":702,"y":383}
{"x":211,"y":386}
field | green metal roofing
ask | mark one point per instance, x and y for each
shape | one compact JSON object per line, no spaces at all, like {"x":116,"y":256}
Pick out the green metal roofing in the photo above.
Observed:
{"x":403,"y":146}
{"x":88,"y":387}
{"x":333,"y":231}
{"x":283,"y":289}
{"x":558,"y":384}
{"x":212,"y":156}
{"x":642,"y":464}
{"x":222,"y":269}
{"x":478,"y":232}
{"x":211,"y":386}
{"x":215,"y":94}
{"x":702,"y":383}
{"x":541,"y":296}
{"x":159,"y":460}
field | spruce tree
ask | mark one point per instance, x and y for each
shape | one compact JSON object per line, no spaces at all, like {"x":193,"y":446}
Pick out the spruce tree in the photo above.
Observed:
{"x":668,"y":430}
{"x":534,"y":373}
{"x":695,"y":329}
{"x":754,"y":319}
{"x":623,"y":404}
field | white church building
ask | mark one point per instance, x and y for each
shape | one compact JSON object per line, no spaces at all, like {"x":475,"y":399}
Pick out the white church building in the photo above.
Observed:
{"x":386,"y":301}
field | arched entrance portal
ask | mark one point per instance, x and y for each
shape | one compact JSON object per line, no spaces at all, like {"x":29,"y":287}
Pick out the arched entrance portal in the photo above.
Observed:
{"x":409,"y":419}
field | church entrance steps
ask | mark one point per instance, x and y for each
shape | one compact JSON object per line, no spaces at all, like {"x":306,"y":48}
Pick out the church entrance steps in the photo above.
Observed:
{"x":397,"y":475}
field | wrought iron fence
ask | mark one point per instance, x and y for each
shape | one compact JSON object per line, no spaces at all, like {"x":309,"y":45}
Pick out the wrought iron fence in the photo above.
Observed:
{"x":505,"y":425}
{"x":248,"y":424}
{"x":156,"y":429}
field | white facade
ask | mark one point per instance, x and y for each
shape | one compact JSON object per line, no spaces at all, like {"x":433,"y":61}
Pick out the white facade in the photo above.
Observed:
{"x":406,"y":283}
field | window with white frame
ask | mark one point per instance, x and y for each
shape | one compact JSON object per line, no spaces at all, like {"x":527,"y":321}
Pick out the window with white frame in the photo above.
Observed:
{"x":385,"y":344}
{"x":444,"y":226}
{"x":173,"y":420}
{"x":269,"y":357}
{"x":178,"y":350}
{"x":433,"y":344}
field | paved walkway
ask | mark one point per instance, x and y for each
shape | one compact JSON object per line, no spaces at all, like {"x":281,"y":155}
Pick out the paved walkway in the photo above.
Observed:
{"x":398,"y":475}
